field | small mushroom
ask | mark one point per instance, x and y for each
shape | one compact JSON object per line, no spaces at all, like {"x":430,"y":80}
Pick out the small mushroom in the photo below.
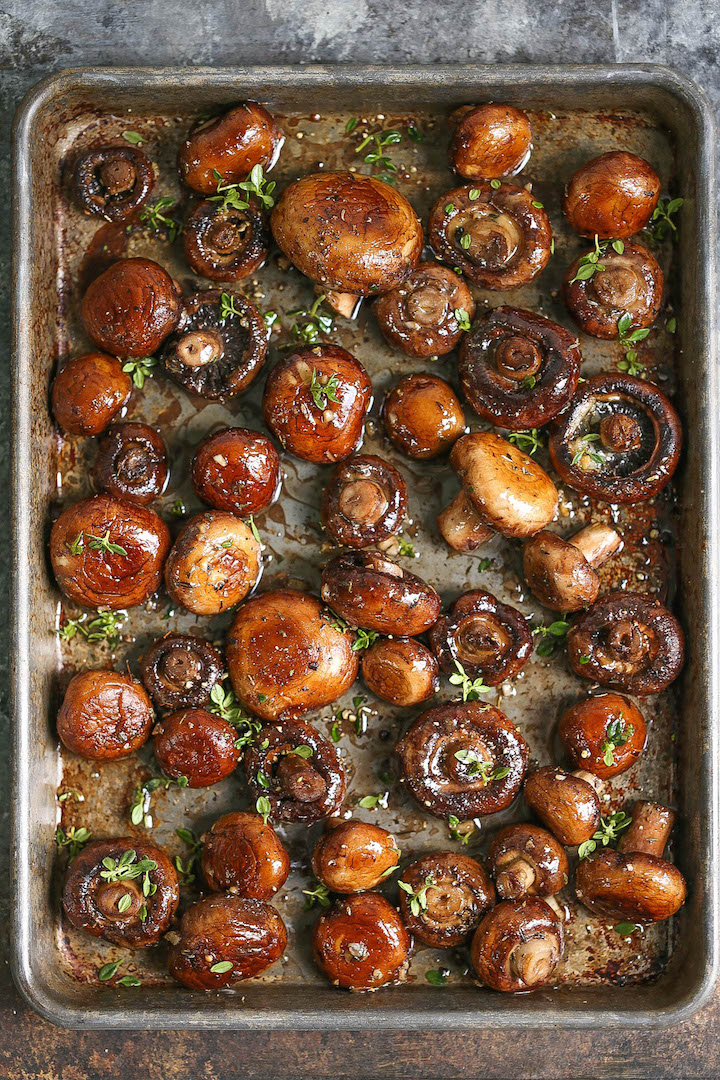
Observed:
{"x":354,"y":856}
{"x":242,"y":854}
{"x":527,"y":861}
{"x":561,"y":574}
{"x":197,"y":745}
{"x":236,"y":470}
{"x":400,"y":670}
{"x":482,"y":637}
{"x":105,"y":715}
{"x":364,"y":502}
{"x":89,"y":392}
{"x":368,"y":590}
{"x":567,"y":804}
{"x":225,"y":243}
{"x":604,"y":734}
{"x":113,"y":181}
{"x":426,"y":314}
{"x":612,"y":195}
{"x":180,"y":670}
{"x":518,"y":945}
{"x":361,"y":944}
{"x":298,"y":771}
{"x":227,"y":148}
{"x":131,"y":308}
{"x":131,"y":463}
{"x":443,"y":897}
{"x":423,"y":417}
{"x":627,"y":282}
{"x":490,"y":141}
{"x":214,"y":563}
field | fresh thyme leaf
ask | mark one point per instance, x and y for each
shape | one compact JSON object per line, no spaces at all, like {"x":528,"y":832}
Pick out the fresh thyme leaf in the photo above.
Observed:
{"x":661,"y":223}
{"x":414,"y":133}
{"x":528,"y":382}
{"x":221,"y":967}
{"x":72,"y":838}
{"x":351,"y":125}
{"x":140,"y":369}
{"x":627,"y":339}
{"x":126,"y":868}
{"x":589,"y":263}
{"x":462,"y":319}
{"x":625,"y":928}
{"x":477,"y":766}
{"x":374,"y":144}
{"x":262,"y":806}
{"x":124,"y":902}
{"x":253,"y":528}
{"x":405,"y":548}
{"x":133,"y":137}
{"x":583,"y":443}
{"x":418,"y":897}
{"x":369,"y":802}
{"x":128,"y":980}
{"x":102,"y":543}
{"x":186,"y":867}
{"x":77,"y":545}
{"x":550,"y":636}
{"x":495,"y":184}
{"x":616,"y":734}
{"x":471,"y":688}
{"x":270,"y":318}
{"x":103,"y":626}
{"x":140,"y":805}
{"x":157,"y":219}
{"x":302,"y":751}
{"x":364,"y":639}
{"x":227,"y":306}
{"x":319,"y":895}
{"x":238,"y":196}
{"x":323,"y":392}
{"x":460,"y":830}
{"x":108,"y":970}
{"x":610,"y":828}
{"x":310,"y":323}
{"x":436,"y":978}
{"x":529,"y":441}
{"x":178,"y":508}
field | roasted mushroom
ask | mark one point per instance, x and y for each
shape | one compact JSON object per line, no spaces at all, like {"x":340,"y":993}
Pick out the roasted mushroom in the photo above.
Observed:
{"x":315,"y":403}
{"x":490,"y":141}
{"x":113,"y":181}
{"x":180,"y":670}
{"x":561,"y":574}
{"x":423,"y":416}
{"x":527,"y":861}
{"x":297,"y":771}
{"x":464,"y":758}
{"x":214,"y":563}
{"x":354,"y":856}
{"x":242,"y":855}
{"x":427,"y":313}
{"x":626,"y":282}
{"x":518,"y":369}
{"x":400,"y":670}
{"x":368,"y":590}
{"x":482,"y":636}
{"x":123,"y":890}
{"x":104,"y":715}
{"x":604,"y":734}
{"x":131,"y":308}
{"x":131,"y":463}
{"x":364,"y":502}
{"x":568,"y":804}
{"x":108,"y":553}
{"x":499,"y":237}
{"x":518,"y":945}
{"x":287,"y":655}
{"x":619,"y":440}
{"x":224,"y":243}
{"x":443,"y":897}
{"x":225,"y":939}
{"x":225,"y":149}
{"x":89,"y":392}
{"x":219,"y":347}
{"x":612,"y":195}
{"x":348,"y":233}
{"x":236,"y":470}
{"x":628,"y":642}
{"x":361,"y":944}
{"x":197,"y":745}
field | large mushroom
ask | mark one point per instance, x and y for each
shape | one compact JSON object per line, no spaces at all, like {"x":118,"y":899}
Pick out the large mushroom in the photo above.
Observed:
{"x":368,"y":590}
{"x":490,"y":141}
{"x":196,"y":745}
{"x":228,"y":147}
{"x":242,"y":855}
{"x":236,"y":470}
{"x":361,"y":944}
{"x":623,"y":282}
{"x":427,"y":313}
{"x":89,"y":392}
{"x":296,"y":770}
{"x":443,"y":898}
{"x":105,"y":715}
{"x":482,"y":636}
{"x":180,"y":670}
{"x":225,"y":243}
{"x":131,"y":308}
{"x":527,"y":861}
{"x":566,"y":803}
{"x":612,"y":195}
{"x":354,"y":856}
{"x":364,"y":502}
{"x":518,"y":945}
{"x":604,"y":734}
{"x":562,"y":574}
{"x":214,"y":563}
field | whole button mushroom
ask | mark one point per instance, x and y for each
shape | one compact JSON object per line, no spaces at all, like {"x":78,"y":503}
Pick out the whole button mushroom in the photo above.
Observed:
{"x":225,"y":243}
{"x":361,"y":944}
{"x":315,"y":403}
{"x":131,"y":463}
{"x":296,"y":770}
{"x":227,"y":148}
{"x":113,"y":181}
{"x":286,"y":655}
{"x":624,"y":283}
{"x":122,"y":890}
{"x":366,"y":589}
{"x":527,"y":861}
{"x":400,"y":670}
{"x":561,"y":574}
{"x":236,"y":470}
{"x":518,"y":945}
{"x":490,"y":141}
{"x":180,"y":670}
{"x":214,"y":563}
{"x":423,"y":417}
{"x":225,"y":939}
{"x":105,"y":715}
{"x":604,"y":734}
{"x":354,"y":856}
{"x":364,"y":502}
{"x":131,"y":308}
{"x":443,"y":897}
{"x":242,"y":854}
{"x":518,"y":369}
{"x":567,"y":804}
{"x":89,"y":392}
{"x":427,"y":313}
{"x":482,"y":637}
{"x":612,"y":195}
{"x":108,"y":553}
{"x":466,"y":759}
{"x":197,"y":745}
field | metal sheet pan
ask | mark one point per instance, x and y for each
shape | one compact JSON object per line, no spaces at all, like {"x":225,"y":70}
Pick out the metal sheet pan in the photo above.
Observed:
{"x":581,"y":107}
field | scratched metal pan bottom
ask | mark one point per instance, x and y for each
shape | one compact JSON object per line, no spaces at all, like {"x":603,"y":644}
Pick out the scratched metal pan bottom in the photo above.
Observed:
{"x":576,"y":113}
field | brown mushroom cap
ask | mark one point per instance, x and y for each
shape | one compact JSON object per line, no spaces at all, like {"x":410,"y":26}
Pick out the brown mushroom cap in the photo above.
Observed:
{"x":131,"y":308}
{"x":89,"y":392}
{"x":490,"y":141}
{"x":527,"y":861}
{"x":636,"y":886}
{"x":518,"y":945}
{"x":197,"y":745}
{"x":364,"y":502}
{"x":131,"y":463}
{"x":236,"y":470}
{"x":368,"y":590}
{"x":561,"y":573}
{"x":104,"y":715}
{"x":628,"y":282}
{"x":602,"y":728}
{"x":231,"y":145}
{"x":113,"y":181}
{"x":180,"y":670}
{"x":451,"y":893}
{"x":423,"y":416}
{"x":361,"y":944}
{"x":400,"y":670}
{"x":567,"y":804}
{"x":419,"y":316}
{"x":483,"y":637}
{"x":225,"y":244}
{"x":354,"y":856}
{"x":214,"y":563}
{"x":612,"y":195}
{"x":243,"y":855}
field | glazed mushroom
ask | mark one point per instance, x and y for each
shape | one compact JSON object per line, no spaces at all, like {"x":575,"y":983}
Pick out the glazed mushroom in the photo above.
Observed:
{"x":518,"y":945}
{"x":89,"y":392}
{"x":214,"y":563}
{"x":131,"y":308}
{"x":427,"y":313}
{"x":180,"y":670}
{"x":518,"y":369}
{"x":197,"y":745}
{"x":361,"y":944}
{"x":464,"y":758}
{"x":297,"y":771}
{"x":527,"y":861}
{"x":490,"y":141}
{"x":482,"y":636}
{"x":354,"y":856}
{"x":499,"y":237}
{"x":242,"y":855}
{"x":131,"y":463}
{"x":423,"y":417}
{"x":105,"y":715}
{"x":561,"y":574}
{"x":604,"y":734}
{"x":567,"y":804}
{"x":400,"y":670}
{"x":287,"y":655}
{"x":368,"y":590}
{"x":227,"y":148}
{"x":619,"y":440}
{"x":627,"y":642}
{"x":108,"y":553}
{"x":123,"y":890}
{"x":612,"y":195}
{"x":348,"y":233}
{"x":236,"y":470}
{"x":315,"y":403}
{"x":113,"y":181}
{"x":220,"y":346}
{"x":634,"y":882}
{"x":627,"y":282}
{"x":225,"y":243}
{"x":364,"y":502}
{"x":225,"y":939}
{"x":443,"y":898}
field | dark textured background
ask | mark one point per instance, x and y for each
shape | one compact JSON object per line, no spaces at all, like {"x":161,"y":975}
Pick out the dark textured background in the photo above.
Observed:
{"x":38,"y":37}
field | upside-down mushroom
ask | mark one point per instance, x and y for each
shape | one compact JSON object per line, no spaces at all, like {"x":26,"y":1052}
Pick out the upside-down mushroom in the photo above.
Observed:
{"x":131,"y":463}
{"x":443,"y":898}
{"x":131,"y":308}
{"x":490,"y":141}
{"x":354,"y":856}
{"x":482,"y":637}
{"x":296,"y":770}
{"x":518,"y":945}
{"x":527,"y":861}
{"x":423,"y":417}
{"x":113,"y":181}
{"x":229,"y":147}
{"x":214,"y":563}
{"x":364,"y":502}
{"x":561,"y":574}
{"x":361,"y":944}
{"x":180,"y":670}
{"x":604,"y":734}
{"x":105,"y":715}
{"x":627,"y":282}
{"x":89,"y":392}
{"x":567,"y":804}
{"x":612,"y":195}
{"x":400,"y":670}
{"x":427,"y":313}
{"x":368,"y":590}
{"x":225,"y":243}
{"x":242,"y":855}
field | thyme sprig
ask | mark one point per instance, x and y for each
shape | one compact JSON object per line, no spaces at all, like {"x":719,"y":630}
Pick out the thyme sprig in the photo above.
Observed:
{"x":472,"y":689}
{"x":157,"y":219}
{"x":238,"y":196}
{"x":608,"y":833}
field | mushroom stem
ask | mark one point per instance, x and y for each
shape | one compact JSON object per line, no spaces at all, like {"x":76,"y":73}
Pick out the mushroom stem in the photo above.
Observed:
{"x":343,"y":303}
{"x":516,"y":878}
{"x":597,"y":543}
{"x":300,"y":780}
{"x":651,"y":826}
{"x":534,"y":960}
{"x":461,"y":526}
{"x":552,"y":903}
{"x":594,"y":781}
